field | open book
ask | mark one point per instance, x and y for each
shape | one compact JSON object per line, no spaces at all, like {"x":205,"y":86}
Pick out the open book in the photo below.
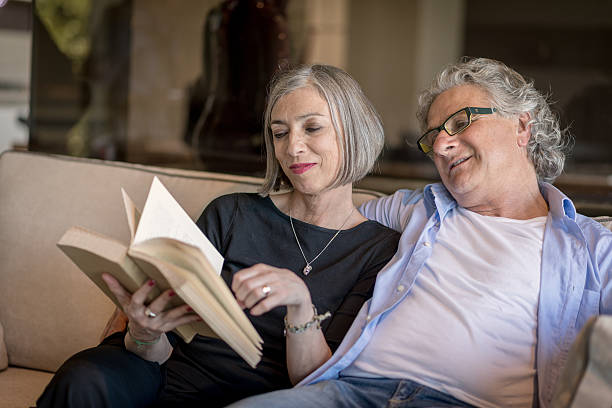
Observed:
{"x":168,"y":247}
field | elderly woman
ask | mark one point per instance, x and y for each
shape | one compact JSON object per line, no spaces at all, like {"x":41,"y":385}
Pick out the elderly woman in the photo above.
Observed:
{"x":293,"y":259}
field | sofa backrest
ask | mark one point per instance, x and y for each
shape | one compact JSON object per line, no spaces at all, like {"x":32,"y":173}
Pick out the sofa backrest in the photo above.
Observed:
{"x":48,"y":308}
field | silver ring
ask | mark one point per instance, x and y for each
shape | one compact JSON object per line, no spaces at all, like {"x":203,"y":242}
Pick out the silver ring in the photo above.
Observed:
{"x":265,"y":289}
{"x":149,"y":313}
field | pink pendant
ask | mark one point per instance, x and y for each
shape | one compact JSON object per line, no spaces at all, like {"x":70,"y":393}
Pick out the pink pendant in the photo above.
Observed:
{"x":307,"y":269}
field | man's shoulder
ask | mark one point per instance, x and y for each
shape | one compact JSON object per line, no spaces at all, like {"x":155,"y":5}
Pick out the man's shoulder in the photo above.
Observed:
{"x":400,"y":201}
{"x":413,"y":196}
{"x":562,"y":206}
{"x":605,"y":221}
{"x":408,"y":196}
{"x":597,"y":233}
{"x":600,"y":226}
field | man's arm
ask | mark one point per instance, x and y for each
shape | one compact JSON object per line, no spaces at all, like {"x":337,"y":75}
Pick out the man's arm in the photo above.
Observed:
{"x":392,"y":211}
{"x":605,"y":270}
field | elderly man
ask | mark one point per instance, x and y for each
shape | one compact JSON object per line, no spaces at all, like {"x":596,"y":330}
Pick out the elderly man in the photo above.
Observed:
{"x":496,"y":272}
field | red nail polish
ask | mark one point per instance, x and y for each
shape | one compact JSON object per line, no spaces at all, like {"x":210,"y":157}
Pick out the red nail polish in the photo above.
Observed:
{"x":151,"y":282}
{"x":171,"y":293}
{"x":189,"y":309}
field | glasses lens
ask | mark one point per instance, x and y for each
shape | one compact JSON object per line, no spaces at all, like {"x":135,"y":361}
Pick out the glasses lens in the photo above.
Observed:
{"x":457,"y":122}
{"x":427,"y":140}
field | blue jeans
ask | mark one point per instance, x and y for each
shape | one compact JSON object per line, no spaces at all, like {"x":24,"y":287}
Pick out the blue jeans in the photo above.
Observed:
{"x":354,"y":392}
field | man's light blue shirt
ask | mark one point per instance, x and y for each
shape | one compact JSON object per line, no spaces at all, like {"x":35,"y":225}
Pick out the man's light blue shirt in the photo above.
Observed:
{"x":575,"y":281}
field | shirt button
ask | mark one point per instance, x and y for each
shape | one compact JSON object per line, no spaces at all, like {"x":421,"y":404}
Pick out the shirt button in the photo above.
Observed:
{"x":427,"y":244}
{"x":401,"y":288}
{"x":369,"y":317}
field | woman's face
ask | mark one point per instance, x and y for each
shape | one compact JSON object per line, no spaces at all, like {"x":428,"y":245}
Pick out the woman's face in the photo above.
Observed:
{"x":305,"y":141}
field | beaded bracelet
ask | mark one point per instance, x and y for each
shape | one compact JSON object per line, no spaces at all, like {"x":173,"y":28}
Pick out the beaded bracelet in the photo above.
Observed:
{"x":140,"y":343}
{"x":315,"y":322}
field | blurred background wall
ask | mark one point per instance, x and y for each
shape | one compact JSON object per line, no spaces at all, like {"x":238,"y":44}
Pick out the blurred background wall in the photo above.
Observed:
{"x":182,"y":82}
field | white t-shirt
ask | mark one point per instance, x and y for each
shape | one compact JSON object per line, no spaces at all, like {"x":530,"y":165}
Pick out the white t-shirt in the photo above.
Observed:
{"x":468,"y":326}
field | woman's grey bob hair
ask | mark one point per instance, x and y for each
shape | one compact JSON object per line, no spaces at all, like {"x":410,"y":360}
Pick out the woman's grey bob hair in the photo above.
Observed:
{"x":357,"y":124}
{"x":512,"y":95}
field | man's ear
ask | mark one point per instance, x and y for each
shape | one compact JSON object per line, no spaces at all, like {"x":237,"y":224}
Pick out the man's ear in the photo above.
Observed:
{"x":523,"y":130}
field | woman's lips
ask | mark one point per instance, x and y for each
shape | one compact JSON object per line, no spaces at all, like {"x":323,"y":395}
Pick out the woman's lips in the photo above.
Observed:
{"x":300,"y":168}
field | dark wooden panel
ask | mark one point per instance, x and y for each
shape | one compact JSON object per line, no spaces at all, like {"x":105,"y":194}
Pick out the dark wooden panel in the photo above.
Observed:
{"x":16,"y":15}
{"x":558,"y":47}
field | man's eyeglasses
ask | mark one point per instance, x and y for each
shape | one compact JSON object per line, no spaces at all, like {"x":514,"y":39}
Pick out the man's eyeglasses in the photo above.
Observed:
{"x":457,"y":122}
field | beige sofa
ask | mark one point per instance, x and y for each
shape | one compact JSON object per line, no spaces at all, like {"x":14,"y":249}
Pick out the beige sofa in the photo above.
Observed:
{"x":48,"y":309}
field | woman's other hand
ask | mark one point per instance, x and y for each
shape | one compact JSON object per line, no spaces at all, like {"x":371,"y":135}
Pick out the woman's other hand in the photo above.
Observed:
{"x":261,"y":288}
{"x":147,"y":323}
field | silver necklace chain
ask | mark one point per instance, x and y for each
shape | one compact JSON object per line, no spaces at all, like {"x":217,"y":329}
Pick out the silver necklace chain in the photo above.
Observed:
{"x":308,"y":266}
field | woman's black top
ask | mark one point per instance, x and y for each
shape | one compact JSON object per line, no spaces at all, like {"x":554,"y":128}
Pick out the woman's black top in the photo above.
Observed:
{"x":248,"y":229}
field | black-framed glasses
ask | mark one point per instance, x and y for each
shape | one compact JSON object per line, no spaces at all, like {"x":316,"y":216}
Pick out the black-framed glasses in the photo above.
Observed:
{"x":455,"y":123}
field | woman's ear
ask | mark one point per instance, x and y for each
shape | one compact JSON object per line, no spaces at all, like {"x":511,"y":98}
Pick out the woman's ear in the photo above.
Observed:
{"x":523,"y":129}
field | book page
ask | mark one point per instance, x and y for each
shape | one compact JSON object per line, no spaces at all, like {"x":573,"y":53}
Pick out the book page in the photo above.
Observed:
{"x":163,"y":217}
{"x":191,"y":290}
{"x":95,"y":254}
{"x":189,"y":258}
{"x":132,"y":214}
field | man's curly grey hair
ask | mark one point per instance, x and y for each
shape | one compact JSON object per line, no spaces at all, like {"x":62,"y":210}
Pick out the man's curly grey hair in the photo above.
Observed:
{"x":512,"y":95}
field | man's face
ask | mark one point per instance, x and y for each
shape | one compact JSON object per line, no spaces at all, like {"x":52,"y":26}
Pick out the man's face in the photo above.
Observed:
{"x":487,"y":160}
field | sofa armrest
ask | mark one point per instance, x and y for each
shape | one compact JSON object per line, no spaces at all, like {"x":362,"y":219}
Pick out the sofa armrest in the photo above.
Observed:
{"x":586,"y":380}
{"x":116,"y":323}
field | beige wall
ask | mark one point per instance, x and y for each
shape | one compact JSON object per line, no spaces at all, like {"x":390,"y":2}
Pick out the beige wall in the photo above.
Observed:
{"x":166,"y":58}
{"x":395,"y":47}
{"x":381,"y":45}
{"x":439,"y":41}
{"x":15,"y":47}
{"x":326,"y":31}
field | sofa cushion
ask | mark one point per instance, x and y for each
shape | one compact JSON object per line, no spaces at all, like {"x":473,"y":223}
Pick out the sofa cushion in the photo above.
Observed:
{"x":20,"y":387}
{"x":3,"y":356}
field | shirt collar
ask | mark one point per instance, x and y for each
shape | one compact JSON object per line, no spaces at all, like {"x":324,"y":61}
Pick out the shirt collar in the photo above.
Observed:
{"x":437,"y":198}
{"x":559,"y":205}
